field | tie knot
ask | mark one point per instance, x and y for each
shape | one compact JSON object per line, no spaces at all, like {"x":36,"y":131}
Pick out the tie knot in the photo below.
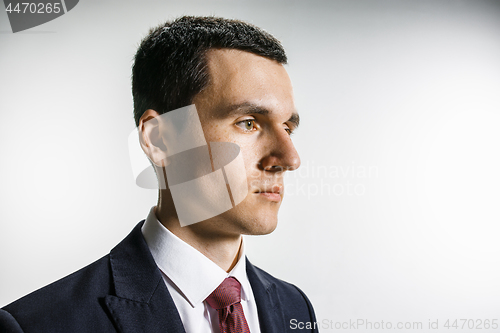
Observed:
{"x":226,"y":294}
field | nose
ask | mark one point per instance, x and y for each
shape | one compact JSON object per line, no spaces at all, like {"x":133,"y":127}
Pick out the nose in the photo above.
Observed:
{"x":281,"y":155}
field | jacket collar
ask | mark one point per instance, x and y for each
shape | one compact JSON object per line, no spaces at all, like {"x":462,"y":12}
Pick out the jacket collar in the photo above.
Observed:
{"x":141,"y":302}
{"x":271,"y":316}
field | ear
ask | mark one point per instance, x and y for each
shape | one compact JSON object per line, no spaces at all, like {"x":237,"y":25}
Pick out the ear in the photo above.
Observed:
{"x":150,"y":138}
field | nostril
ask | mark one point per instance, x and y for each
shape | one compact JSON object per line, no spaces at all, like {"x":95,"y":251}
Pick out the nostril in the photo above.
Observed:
{"x":275,"y":168}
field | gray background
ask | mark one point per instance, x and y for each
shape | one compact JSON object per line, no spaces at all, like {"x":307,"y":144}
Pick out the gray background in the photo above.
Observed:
{"x":394,"y":214}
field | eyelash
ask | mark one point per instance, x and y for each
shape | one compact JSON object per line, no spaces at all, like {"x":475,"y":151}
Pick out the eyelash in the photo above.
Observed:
{"x":247,"y":120}
{"x":288,"y":130}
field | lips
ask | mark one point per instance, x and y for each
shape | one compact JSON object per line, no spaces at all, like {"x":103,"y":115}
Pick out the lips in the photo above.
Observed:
{"x":271,"y":196}
{"x":276,"y":189}
{"x":272,"y":193}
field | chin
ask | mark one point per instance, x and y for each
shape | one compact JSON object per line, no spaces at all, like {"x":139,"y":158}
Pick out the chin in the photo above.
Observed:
{"x":262,"y":222}
{"x":253,"y":216}
{"x":241,"y":221}
{"x":263,"y":227}
{"x":257,"y":216}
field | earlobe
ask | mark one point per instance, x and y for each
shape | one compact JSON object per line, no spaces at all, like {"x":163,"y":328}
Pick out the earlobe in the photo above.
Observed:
{"x":151,"y":139}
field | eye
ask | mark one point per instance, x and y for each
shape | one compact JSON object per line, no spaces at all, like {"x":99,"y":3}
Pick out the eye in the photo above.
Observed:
{"x":247,"y":124}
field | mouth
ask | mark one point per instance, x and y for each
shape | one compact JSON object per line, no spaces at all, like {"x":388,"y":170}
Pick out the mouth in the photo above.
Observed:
{"x":271,"y":193}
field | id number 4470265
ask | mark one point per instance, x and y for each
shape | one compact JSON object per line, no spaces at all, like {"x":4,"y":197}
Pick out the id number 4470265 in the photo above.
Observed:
{"x":34,"y":8}
{"x":471,"y":324}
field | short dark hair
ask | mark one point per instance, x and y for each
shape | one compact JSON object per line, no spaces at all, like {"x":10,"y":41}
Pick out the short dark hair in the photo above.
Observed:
{"x":170,"y":66}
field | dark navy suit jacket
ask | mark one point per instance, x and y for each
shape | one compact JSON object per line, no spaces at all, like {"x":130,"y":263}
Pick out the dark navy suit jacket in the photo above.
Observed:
{"x":125,"y":292}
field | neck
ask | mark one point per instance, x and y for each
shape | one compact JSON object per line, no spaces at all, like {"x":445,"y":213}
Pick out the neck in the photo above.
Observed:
{"x":207,"y":236}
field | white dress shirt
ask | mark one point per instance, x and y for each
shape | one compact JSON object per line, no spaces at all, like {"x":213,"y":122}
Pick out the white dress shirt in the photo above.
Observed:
{"x":191,"y":277}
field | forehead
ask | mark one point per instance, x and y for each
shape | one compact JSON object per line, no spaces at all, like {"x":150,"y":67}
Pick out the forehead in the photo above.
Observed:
{"x":239,"y":77}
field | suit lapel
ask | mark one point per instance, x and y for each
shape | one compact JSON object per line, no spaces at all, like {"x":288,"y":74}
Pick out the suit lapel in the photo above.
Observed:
{"x":142,"y":302}
{"x":271,"y":317}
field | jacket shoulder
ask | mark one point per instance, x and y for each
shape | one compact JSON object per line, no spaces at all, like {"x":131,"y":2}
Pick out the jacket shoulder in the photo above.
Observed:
{"x":69,"y":302}
{"x":295,"y":303}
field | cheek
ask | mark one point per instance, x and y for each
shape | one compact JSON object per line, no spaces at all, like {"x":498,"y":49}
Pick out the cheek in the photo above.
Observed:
{"x":251,"y":159}
{"x":214,"y":133}
{"x":249,"y":147}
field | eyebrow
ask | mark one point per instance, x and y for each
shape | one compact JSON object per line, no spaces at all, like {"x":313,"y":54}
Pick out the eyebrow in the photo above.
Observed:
{"x":249,"y":108}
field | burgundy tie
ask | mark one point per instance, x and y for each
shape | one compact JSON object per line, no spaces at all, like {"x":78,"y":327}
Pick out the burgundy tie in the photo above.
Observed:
{"x":226,"y":300}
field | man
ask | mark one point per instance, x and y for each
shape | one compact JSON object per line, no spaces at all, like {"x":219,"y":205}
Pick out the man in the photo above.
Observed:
{"x":166,"y":276}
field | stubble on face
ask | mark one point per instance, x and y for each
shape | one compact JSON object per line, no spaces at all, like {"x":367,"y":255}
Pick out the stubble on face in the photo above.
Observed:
{"x":245,"y":86}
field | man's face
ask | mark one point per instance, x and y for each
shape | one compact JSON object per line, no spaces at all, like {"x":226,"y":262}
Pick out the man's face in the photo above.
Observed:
{"x":249,"y":101}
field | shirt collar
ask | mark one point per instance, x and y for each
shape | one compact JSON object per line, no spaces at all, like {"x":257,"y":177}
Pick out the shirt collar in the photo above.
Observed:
{"x":190,"y":271}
